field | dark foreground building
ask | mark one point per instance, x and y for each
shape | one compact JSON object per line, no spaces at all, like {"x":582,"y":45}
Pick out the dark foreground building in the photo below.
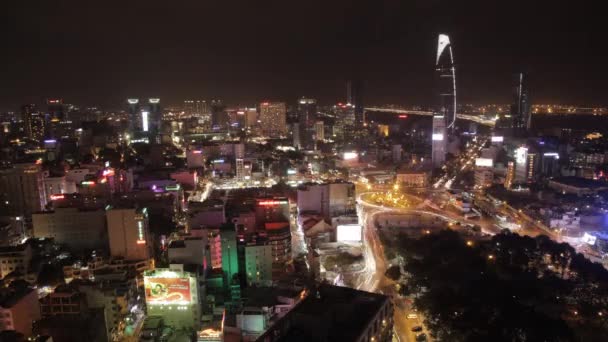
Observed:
{"x":334,"y":313}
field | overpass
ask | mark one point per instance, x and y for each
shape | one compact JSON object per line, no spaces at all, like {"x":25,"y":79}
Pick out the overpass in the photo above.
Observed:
{"x":477,"y":119}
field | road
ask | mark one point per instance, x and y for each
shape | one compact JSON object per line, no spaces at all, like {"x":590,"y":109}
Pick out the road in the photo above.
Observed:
{"x":373,"y":279}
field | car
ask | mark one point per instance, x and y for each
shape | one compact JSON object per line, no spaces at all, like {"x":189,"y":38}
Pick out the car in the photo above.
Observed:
{"x":421,"y":337}
{"x":412,"y":316}
{"x":417,"y":328}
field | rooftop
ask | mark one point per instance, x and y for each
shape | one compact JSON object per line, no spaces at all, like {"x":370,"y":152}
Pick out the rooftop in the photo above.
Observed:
{"x":335,"y":314}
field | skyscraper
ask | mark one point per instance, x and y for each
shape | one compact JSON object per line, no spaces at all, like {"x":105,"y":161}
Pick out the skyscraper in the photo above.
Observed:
{"x":438,"y":141}
{"x":357,"y":98}
{"x":145,"y":119}
{"x":445,"y":72}
{"x":273,"y":116}
{"x":33,"y":122}
{"x":128,"y":233}
{"x":520,"y":109}
{"x":307,"y":114}
{"x":219,"y":117}
{"x":22,"y":189}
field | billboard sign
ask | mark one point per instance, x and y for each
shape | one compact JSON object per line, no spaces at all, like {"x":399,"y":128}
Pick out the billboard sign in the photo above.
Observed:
{"x":167,"y":290}
{"x":437,"y":136}
{"x":349,"y":233}
{"x":350,"y":155}
{"x":486,"y":162}
{"x":589,"y":239}
{"x":497,"y":139}
{"x":521,"y":154}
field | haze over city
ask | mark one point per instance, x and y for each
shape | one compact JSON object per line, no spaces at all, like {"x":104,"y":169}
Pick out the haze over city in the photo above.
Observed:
{"x":375,"y":171}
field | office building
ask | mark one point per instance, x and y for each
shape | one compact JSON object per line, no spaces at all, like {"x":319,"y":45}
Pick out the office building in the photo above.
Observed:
{"x":484,"y":177}
{"x":15,"y":259}
{"x":58,"y":185}
{"x":173,"y":295}
{"x":397,"y":153}
{"x":319,"y":131}
{"x":230,"y":262}
{"x":219,"y":117}
{"x":251,"y":117}
{"x":273,"y":116}
{"x":258,"y":263}
{"x":189,"y":250}
{"x":19,"y":309}
{"x":438,"y":141}
{"x":305,"y":122}
{"x":328,"y":200}
{"x":33,"y":122}
{"x":22,"y":189}
{"x":445,"y":72}
{"x":64,"y":301}
{"x":412,"y":178}
{"x":145,"y":120}
{"x":520,"y":109}
{"x":77,"y":229}
{"x":272,"y":220}
{"x":335,"y":313}
{"x":354,"y":93}
{"x":128,"y":233}
{"x":510,"y":176}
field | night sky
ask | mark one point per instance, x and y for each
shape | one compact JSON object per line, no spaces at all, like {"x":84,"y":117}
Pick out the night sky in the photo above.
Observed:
{"x":101,"y":52}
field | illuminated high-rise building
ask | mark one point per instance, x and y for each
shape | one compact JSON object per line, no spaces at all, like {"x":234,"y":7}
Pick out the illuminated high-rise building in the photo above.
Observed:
{"x":219,"y":117}
{"x":445,"y":72}
{"x":22,"y":189}
{"x":510,"y":176}
{"x":145,"y":120}
{"x":319,"y":131}
{"x":356,"y":93}
{"x":273,"y":116}
{"x":33,"y":122}
{"x":438,"y":142}
{"x":520,"y":109}
{"x":128,"y":233}
{"x":306,"y":118}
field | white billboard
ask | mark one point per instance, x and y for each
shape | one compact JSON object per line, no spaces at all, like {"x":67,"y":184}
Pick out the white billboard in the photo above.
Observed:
{"x":589,"y":239}
{"x":521,"y":154}
{"x":350,"y":155}
{"x":144,"y":121}
{"x":437,"y":136}
{"x":487,"y":162}
{"x":497,"y":139}
{"x":349,"y":233}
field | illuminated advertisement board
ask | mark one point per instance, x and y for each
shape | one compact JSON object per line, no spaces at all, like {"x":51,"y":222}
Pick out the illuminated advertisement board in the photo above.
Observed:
{"x":437,"y":136}
{"x":349,"y":232}
{"x":350,"y":155}
{"x":167,"y":290}
{"x":521,"y":154}
{"x":144,"y":121}
{"x":589,"y":239}
{"x":498,"y":139}
{"x":487,"y":162}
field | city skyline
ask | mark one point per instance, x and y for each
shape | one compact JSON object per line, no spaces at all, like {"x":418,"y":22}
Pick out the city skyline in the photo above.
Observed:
{"x":72,"y":51}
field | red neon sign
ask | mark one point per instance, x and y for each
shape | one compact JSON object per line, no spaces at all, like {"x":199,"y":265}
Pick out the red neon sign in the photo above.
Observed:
{"x":402,"y":116}
{"x":57,"y":197}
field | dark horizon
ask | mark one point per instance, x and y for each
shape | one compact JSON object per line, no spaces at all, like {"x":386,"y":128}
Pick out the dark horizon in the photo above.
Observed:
{"x":245,"y":52}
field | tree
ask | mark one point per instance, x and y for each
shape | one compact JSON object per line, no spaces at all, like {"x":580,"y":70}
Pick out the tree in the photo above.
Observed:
{"x":393,"y":272}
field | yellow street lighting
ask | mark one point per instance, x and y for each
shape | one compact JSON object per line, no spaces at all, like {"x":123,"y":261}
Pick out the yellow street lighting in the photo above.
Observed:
{"x":469,"y":243}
